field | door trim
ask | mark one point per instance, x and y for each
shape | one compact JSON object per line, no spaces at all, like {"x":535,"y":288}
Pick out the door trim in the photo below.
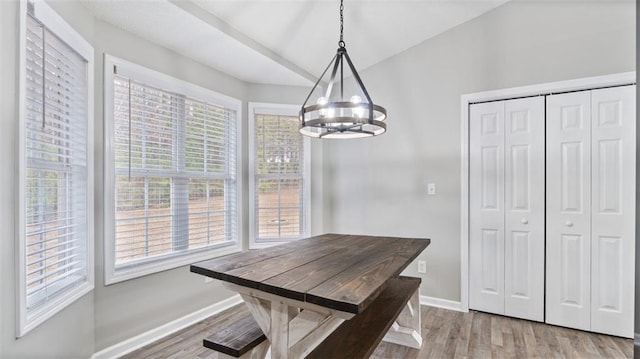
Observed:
{"x":587,"y":83}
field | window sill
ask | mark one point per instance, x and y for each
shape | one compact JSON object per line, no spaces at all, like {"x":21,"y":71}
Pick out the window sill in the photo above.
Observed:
{"x":266,"y":243}
{"x":160,"y":264}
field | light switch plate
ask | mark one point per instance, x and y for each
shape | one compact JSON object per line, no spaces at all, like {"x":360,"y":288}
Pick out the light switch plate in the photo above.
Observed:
{"x":431,"y":189}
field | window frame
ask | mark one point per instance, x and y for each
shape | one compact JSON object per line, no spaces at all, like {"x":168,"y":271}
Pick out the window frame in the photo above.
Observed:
{"x":161,"y":263}
{"x":281,"y":110}
{"x":28,"y":319}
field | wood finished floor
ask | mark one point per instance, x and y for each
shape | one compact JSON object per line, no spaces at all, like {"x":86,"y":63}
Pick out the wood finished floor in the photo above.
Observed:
{"x":446,"y":334}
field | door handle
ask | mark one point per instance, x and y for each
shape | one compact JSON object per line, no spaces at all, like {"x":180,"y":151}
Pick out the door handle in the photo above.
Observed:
{"x":524,"y":221}
{"x":568,"y":224}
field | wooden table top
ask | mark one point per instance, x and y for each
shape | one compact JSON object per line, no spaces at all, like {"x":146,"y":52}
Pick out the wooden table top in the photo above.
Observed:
{"x":337,"y":271}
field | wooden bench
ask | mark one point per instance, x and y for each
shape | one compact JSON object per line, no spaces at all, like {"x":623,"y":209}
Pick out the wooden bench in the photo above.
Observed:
{"x":395,"y":311}
{"x":360,"y":336}
{"x":237,"y":335}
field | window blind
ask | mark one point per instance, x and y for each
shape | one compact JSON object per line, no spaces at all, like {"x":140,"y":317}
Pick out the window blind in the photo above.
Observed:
{"x":279,"y":178}
{"x":175,"y":173}
{"x":56,"y":166}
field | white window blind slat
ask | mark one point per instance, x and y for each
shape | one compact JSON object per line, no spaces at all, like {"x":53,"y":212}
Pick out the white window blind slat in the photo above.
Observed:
{"x":47,"y":233}
{"x":52,"y":261}
{"x":42,"y":247}
{"x":56,"y":163}
{"x":42,"y":285}
{"x":278,"y":178}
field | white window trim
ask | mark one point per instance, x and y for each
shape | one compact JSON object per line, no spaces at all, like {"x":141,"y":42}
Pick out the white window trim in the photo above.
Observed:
{"x":286,"y":110}
{"x":28,"y":320}
{"x":160,"y":263}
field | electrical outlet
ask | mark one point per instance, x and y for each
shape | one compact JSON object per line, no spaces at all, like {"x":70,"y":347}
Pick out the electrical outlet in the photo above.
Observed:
{"x":208,"y":279}
{"x":422,"y":266}
{"x":431,"y":189}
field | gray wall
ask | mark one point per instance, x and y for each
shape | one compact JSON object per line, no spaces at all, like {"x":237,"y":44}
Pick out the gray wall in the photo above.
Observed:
{"x":378,"y":185}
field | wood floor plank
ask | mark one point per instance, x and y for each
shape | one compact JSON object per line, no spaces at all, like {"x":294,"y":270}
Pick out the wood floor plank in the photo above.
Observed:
{"x":518,"y":340}
{"x":452,"y":335}
{"x":460,"y":335}
{"x":496,"y":331}
{"x":530,"y":342}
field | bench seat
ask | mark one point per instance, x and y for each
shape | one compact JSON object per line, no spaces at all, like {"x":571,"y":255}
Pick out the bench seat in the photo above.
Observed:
{"x":360,"y":336}
{"x":236,"y":333}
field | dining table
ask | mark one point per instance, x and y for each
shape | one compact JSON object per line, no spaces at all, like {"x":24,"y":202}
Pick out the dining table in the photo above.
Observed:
{"x":301,"y":291}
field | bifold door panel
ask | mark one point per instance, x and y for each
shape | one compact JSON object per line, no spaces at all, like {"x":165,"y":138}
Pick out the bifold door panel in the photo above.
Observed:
{"x":613,"y":147}
{"x":486,"y":241}
{"x":506,"y":210}
{"x":568,"y":209}
{"x":524,"y":208}
{"x":591,"y":210}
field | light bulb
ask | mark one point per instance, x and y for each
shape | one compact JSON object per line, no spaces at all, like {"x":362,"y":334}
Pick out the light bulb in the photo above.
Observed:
{"x":322,"y":101}
{"x":357,"y":111}
{"x":331,"y":112}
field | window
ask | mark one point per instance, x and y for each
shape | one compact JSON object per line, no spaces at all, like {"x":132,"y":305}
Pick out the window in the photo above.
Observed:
{"x":172,"y":181}
{"x":279,"y":175}
{"x":55,"y":259}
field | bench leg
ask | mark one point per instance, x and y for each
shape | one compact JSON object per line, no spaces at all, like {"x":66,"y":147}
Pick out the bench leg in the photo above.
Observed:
{"x":407,"y":330}
{"x":261,"y":311}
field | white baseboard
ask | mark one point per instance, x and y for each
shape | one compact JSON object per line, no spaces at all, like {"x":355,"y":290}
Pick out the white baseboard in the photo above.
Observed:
{"x":441,"y":303}
{"x":137,"y":342}
{"x":131,"y":344}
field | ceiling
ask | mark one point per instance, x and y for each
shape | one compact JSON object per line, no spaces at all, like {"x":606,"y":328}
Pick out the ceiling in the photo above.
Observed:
{"x":285,"y":42}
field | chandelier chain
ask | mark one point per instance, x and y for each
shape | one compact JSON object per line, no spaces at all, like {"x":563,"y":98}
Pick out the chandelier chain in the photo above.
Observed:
{"x":341,"y":42}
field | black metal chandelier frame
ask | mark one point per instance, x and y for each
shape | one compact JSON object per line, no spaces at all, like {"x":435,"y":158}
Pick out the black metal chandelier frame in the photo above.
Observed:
{"x":341,"y":119}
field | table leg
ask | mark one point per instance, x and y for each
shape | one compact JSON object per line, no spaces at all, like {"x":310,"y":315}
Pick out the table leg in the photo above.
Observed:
{"x":292,"y":327}
{"x":407,"y":330}
{"x":279,"y":330}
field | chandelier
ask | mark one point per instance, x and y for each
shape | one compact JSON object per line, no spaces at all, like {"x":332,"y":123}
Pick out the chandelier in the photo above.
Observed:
{"x":336,"y":115}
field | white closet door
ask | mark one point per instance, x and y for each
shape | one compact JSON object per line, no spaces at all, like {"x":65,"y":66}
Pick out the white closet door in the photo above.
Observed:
{"x":486,"y":207}
{"x":524,"y":208}
{"x":568,"y":219}
{"x":613,"y":152}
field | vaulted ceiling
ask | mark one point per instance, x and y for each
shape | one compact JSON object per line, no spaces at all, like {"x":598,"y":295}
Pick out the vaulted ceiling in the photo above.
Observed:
{"x":286,"y":42}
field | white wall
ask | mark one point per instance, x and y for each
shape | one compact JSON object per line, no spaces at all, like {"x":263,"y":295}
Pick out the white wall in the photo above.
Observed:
{"x":378,"y":185}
